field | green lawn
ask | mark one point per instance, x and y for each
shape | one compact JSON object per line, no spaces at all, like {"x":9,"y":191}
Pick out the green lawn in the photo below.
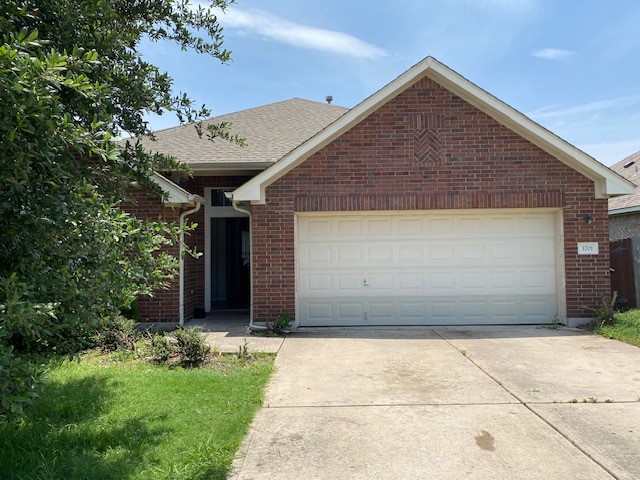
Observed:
{"x":626,"y":328}
{"x":103,"y":419}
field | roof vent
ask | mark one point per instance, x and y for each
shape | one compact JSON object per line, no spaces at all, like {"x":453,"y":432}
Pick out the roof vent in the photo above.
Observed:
{"x":626,"y":165}
{"x":329,"y":99}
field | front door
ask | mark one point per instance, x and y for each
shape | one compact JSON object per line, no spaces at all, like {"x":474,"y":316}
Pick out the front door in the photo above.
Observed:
{"x":230,"y":269}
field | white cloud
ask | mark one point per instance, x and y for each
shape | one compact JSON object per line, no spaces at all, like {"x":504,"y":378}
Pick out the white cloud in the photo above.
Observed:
{"x":553,"y":53}
{"x":297,"y":34}
{"x":591,"y":107}
{"x":611,"y":152}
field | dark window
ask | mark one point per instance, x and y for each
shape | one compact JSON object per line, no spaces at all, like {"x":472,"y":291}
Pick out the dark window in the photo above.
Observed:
{"x":218,"y":198}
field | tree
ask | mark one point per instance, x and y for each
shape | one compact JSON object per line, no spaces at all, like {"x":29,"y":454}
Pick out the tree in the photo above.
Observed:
{"x":72,"y":81}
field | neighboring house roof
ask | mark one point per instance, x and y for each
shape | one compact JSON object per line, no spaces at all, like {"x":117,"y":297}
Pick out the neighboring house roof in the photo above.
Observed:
{"x":271,"y":131}
{"x":629,"y":168}
{"x":607,"y":183}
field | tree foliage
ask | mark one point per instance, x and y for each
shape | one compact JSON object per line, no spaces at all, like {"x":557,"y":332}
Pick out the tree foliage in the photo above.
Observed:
{"x":72,"y":80}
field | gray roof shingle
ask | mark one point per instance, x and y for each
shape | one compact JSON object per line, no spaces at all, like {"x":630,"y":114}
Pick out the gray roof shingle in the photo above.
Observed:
{"x":271,"y":131}
{"x":631,"y":173}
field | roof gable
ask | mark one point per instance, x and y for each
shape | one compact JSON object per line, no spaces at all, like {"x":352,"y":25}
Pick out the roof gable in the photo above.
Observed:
{"x":607,"y":183}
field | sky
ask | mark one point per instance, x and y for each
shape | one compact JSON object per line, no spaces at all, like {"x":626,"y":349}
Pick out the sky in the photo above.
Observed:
{"x":572,"y":66}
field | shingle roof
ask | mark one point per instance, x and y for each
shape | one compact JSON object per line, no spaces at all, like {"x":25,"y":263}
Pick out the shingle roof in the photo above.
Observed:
{"x":271,"y":132}
{"x":631,"y":173}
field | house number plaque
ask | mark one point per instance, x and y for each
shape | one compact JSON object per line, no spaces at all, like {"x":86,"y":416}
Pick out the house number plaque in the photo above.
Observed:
{"x":587,"y":248}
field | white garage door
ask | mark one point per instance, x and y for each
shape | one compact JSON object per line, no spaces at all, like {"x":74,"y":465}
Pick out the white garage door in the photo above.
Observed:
{"x":426,"y":269}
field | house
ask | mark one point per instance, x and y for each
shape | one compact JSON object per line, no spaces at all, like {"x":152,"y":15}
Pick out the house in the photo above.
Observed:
{"x":624,"y":211}
{"x":430,"y":202}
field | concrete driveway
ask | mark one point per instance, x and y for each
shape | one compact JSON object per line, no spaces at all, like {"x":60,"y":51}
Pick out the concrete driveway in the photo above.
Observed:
{"x":448,"y":403}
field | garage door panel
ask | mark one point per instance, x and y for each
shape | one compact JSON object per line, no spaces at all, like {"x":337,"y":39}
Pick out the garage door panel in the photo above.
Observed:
{"x":441,"y":254}
{"x":467,"y":310}
{"x":426,"y":269}
{"x":410,"y":253}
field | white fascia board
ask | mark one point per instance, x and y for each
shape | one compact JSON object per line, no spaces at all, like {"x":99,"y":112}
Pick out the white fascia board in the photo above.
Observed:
{"x":176,"y":195}
{"x":224,"y":166}
{"x":622,"y":211}
{"x":607,"y":183}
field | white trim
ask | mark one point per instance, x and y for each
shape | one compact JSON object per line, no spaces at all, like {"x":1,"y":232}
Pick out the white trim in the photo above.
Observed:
{"x":622,"y":211}
{"x":296,"y":273}
{"x":561,"y":273}
{"x":209,"y":213}
{"x":443,"y":212}
{"x":229,"y":166}
{"x":176,"y":194}
{"x":607,"y":183}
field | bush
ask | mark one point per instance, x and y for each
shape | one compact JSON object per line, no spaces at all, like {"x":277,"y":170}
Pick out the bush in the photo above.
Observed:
{"x":605,"y":311}
{"x":161,"y":348}
{"x":190,"y":346}
{"x":117,"y":334}
{"x":18,"y":379}
{"x":24,"y":325}
{"x":280,"y":325}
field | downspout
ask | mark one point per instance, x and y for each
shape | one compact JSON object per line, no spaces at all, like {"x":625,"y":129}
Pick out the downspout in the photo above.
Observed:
{"x":183,"y":215}
{"x":237,"y":207}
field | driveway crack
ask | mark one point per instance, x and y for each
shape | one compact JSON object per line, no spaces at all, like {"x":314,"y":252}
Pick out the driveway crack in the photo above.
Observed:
{"x":566,"y":437}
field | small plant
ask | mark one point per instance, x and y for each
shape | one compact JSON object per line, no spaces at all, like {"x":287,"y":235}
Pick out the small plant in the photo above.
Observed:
{"x":605,"y":310}
{"x":243,"y":350}
{"x":575,"y":400}
{"x":608,"y":400}
{"x":190,"y":346}
{"x":161,"y":348}
{"x":463,"y":352}
{"x":117,"y":334}
{"x":555,"y":323}
{"x":590,"y":400}
{"x":280,"y":325}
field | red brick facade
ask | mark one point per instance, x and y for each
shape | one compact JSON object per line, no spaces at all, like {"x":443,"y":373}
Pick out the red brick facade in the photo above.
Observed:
{"x":164,"y":305}
{"x":427,"y":149}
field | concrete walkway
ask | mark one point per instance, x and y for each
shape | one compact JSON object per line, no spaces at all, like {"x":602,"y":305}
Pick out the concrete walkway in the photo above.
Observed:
{"x":227,"y":334}
{"x":448,"y":403}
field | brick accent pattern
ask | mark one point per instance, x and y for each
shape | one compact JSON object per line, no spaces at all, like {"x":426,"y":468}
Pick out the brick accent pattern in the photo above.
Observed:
{"x":426,"y":136}
{"x":372,"y":167}
{"x":624,"y":226}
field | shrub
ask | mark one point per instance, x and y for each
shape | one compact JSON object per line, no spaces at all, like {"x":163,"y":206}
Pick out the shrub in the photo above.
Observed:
{"x":18,"y":380}
{"x":190,"y":346}
{"x":161,"y":348}
{"x":280,"y":324}
{"x":116,"y":334}
{"x":605,"y":310}
{"x":24,"y":325}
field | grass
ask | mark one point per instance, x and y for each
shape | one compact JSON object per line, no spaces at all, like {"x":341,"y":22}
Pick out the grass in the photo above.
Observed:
{"x":113,"y":418}
{"x":626,"y":327}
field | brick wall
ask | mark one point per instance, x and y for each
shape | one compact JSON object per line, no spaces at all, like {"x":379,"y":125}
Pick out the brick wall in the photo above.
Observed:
{"x":427,"y":149}
{"x":164,"y":305}
{"x":624,"y":226}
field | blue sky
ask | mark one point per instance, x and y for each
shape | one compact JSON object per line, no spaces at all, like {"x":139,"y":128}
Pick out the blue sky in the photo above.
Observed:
{"x":572,"y":66}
